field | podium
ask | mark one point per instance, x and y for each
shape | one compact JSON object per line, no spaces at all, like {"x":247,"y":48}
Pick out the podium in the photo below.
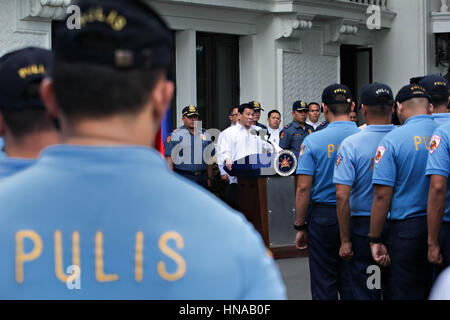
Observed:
{"x":268,"y":201}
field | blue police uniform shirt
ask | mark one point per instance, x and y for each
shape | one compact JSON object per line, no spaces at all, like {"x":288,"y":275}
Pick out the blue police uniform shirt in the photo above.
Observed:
{"x":292,"y":136}
{"x":354,"y":166}
{"x":400,"y":162}
{"x":182,"y":140}
{"x":441,"y":118}
{"x":318,"y":157}
{"x":2,"y":143}
{"x":439,"y":159}
{"x":10,"y":166}
{"x":111,"y":210}
{"x":261,"y":125}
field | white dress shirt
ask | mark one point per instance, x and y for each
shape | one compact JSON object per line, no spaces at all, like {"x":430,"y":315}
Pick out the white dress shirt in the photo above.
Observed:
{"x":274,"y":135}
{"x":314,"y":125}
{"x":236,"y":142}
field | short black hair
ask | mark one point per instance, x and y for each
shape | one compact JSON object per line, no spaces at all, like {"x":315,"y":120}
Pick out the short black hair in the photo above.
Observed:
{"x":340,"y":108}
{"x":313,"y":103}
{"x":28,"y":120}
{"x":383,"y":108}
{"x":438,"y":101}
{"x":230,"y":111}
{"x":85,"y":90}
{"x":244,"y":106}
{"x":274,"y":111}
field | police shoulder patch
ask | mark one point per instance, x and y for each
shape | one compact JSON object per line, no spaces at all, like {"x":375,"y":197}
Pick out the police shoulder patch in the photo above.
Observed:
{"x":169,"y":138}
{"x":302,"y":149}
{"x":435,"y":142}
{"x":339,"y":160}
{"x":309,"y":130}
{"x":281,"y":134}
{"x":379,"y":154}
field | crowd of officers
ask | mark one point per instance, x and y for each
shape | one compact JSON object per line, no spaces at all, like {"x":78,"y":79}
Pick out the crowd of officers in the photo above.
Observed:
{"x":371,"y":196}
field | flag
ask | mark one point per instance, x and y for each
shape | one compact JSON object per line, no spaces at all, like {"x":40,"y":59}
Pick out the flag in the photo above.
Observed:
{"x":164,"y":131}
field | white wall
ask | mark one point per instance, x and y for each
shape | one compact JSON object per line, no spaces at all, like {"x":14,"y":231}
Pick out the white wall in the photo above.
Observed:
{"x":403,"y":51}
{"x":16,"y":34}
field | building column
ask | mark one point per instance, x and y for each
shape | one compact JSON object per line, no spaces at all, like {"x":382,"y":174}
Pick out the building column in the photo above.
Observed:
{"x":186,"y":70}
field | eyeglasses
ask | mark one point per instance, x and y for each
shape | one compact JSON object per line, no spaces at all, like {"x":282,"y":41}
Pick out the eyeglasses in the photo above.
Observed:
{"x":234,"y":114}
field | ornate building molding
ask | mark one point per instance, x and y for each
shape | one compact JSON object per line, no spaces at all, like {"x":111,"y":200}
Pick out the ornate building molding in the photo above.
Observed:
{"x":290,"y":27}
{"x":42,"y":9}
{"x":333,"y":34}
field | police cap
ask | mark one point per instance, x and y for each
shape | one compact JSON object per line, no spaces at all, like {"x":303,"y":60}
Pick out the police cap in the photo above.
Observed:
{"x":376,"y":93}
{"x":124,"y":34}
{"x":300,"y":105}
{"x":190,"y":111}
{"x":256,"y":106}
{"x":331,"y":92}
{"x":435,"y":85}
{"x":18,"y":70}
{"x":411,"y":91}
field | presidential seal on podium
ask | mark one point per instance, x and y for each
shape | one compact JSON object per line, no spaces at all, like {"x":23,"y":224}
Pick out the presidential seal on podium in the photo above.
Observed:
{"x":285,"y":163}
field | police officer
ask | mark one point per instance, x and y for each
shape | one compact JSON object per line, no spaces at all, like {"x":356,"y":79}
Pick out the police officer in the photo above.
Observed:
{"x":438,"y":210}
{"x":319,"y":232}
{"x":401,"y":187}
{"x":24,"y":123}
{"x":104,"y":208}
{"x":292,"y":135}
{"x":313,"y":117}
{"x":438,"y":88}
{"x":185,"y":149}
{"x":257,"y":114}
{"x":354,"y":191}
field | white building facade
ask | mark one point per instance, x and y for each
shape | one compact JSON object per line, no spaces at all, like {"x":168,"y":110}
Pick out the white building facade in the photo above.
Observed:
{"x":273,"y":51}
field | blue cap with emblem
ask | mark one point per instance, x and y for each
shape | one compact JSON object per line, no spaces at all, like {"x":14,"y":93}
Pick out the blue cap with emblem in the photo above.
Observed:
{"x":124,"y":34}
{"x":435,"y":85}
{"x":300,"y":105}
{"x":337,"y":94}
{"x":256,"y":106}
{"x":411,"y":91}
{"x":376,"y":94}
{"x":21,"y":72}
{"x":190,"y":111}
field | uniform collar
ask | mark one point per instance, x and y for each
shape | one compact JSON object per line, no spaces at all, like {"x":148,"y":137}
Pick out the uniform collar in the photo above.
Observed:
{"x":183,"y":127}
{"x":441,"y":115}
{"x":379,"y":127}
{"x":296,"y":125}
{"x":419,"y":117}
{"x":342,"y":124}
{"x":100,"y":155}
{"x":241,"y":127}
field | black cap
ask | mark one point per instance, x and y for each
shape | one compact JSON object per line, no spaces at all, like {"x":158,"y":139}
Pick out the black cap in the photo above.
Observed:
{"x":190,"y":111}
{"x":18,"y":70}
{"x":411,"y":91}
{"x":300,"y":105}
{"x":125,"y":34}
{"x":329,"y":94}
{"x":435,"y":85}
{"x":256,"y":106}
{"x":376,"y":93}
